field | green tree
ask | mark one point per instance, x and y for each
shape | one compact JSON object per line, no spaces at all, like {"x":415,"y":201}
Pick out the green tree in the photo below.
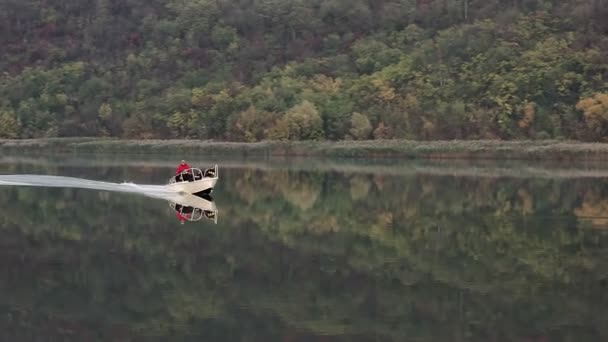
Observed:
{"x":361,"y":128}
{"x":303,"y":122}
{"x":253,"y":125}
{"x":595,"y":110}
{"x":9,"y":125}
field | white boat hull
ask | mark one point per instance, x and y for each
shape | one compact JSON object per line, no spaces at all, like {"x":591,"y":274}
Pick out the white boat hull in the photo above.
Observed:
{"x":195,"y":186}
{"x":200,"y":184}
{"x":194,"y":202}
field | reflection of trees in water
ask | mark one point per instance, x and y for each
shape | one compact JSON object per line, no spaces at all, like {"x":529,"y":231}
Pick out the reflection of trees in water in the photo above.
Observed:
{"x":504,"y":237}
{"x":301,"y":189}
{"x":250,"y":185}
{"x":527,"y":201}
{"x":421,"y":257}
{"x":359,"y":187}
{"x":594,"y":209}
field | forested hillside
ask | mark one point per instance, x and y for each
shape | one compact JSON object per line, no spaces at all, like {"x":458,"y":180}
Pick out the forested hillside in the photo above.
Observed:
{"x":248,"y":70}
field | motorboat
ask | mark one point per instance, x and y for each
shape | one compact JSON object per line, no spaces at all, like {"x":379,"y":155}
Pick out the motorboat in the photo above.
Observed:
{"x":194,"y":181}
{"x":194,"y":208}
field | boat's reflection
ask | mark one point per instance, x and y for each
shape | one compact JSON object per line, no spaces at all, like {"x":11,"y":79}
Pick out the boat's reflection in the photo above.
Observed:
{"x":194,"y":208}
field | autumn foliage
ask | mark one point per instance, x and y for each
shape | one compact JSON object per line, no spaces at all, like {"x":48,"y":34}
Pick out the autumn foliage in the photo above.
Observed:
{"x":299,"y":70}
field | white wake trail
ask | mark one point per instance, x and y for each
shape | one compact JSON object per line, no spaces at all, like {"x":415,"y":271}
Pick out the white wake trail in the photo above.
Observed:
{"x":156,"y":191}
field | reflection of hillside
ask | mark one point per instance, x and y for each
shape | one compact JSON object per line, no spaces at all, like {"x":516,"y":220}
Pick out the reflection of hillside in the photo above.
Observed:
{"x":594,"y":209}
{"x":359,"y":187}
{"x":308,"y":253}
{"x":298,"y":188}
{"x":504,"y":240}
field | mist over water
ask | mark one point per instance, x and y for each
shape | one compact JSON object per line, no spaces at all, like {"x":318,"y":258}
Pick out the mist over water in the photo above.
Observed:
{"x":351,"y":251}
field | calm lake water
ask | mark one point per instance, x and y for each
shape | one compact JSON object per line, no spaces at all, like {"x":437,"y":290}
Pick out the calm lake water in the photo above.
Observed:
{"x":304,"y":250}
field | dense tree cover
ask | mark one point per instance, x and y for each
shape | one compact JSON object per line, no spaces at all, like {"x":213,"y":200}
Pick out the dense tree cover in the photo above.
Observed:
{"x":294,"y":69}
{"x":306,"y":255}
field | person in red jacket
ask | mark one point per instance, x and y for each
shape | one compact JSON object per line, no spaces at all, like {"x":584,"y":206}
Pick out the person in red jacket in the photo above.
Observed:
{"x":182,"y":217}
{"x":183,"y":213}
{"x":186,"y":176}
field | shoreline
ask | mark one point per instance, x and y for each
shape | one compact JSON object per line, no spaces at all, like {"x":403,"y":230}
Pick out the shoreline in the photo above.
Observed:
{"x":453,"y":168}
{"x":382,"y":149}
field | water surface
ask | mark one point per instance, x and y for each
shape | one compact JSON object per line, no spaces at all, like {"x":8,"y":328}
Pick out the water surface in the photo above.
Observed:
{"x":304,"y":250}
